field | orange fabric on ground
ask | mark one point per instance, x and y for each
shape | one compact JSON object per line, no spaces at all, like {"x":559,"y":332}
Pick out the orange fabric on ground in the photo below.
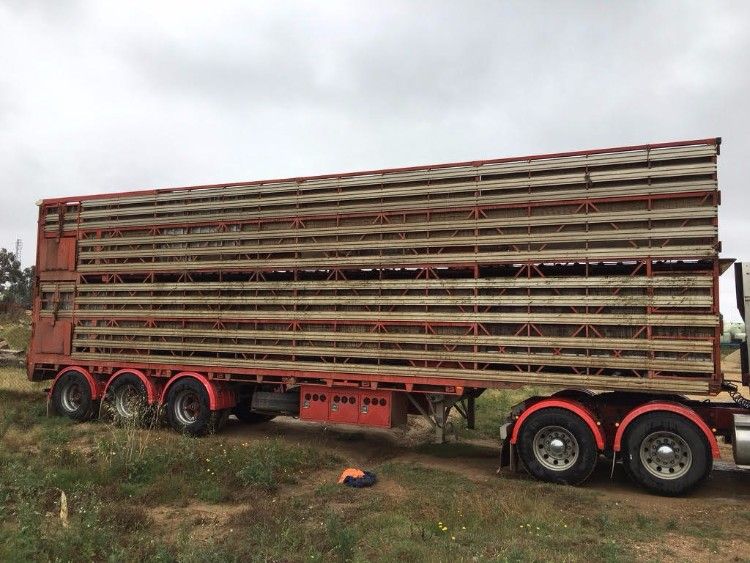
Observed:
{"x":351,"y":472}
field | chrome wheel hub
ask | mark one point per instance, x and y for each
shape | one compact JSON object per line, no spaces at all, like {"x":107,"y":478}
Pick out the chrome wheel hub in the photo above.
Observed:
{"x":555,"y":448}
{"x":127,"y":401}
{"x":187,"y":407}
{"x":666,"y":455}
{"x":71,"y":397}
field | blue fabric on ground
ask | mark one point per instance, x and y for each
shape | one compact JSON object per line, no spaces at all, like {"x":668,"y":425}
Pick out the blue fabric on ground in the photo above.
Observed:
{"x":367,"y":480}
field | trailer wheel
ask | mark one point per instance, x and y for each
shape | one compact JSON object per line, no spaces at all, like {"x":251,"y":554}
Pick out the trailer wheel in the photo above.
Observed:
{"x":127,"y":400}
{"x":556,"y":445}
{"x":666,"y":453}
{"x":71,"y":397}
{"x":244,"y":414}
{"x":188,"y":409}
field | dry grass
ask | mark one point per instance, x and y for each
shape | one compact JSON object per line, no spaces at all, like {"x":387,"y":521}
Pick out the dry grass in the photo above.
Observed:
{"x":14,"y":380}
{"x":15,"y":332}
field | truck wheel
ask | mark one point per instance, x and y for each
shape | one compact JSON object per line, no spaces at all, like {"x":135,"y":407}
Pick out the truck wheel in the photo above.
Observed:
{"x":666,"y":453}
{"x":71,"y":397}
{"x":127,"y":400}
{"x":188,"y":409}
{"x":244,"y":414}
{"x":556,"y":445}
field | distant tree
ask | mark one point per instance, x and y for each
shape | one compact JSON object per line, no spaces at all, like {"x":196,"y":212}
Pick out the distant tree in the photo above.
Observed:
{"x":15,"y":282}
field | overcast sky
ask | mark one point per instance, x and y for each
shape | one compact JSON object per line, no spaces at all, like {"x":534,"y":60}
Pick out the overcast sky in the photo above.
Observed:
{"x":100,"y":96}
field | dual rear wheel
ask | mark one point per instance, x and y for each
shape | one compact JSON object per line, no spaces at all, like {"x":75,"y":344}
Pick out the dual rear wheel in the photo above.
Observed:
{"x":666,"y":453}
{"x":662,"y":451}
{"x":557,"y":446}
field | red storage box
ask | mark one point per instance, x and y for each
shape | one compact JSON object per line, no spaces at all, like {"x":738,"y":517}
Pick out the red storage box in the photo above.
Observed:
{"x":352,"y":406}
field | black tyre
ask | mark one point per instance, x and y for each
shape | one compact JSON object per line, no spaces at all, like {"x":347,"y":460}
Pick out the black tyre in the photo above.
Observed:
{"x":244,"y":414}
{"x":557,"y":446}
{"x":188,"y":409}
{"x":666,"y":453}
{"x":127,"y":400}
{"x":71,"y":397}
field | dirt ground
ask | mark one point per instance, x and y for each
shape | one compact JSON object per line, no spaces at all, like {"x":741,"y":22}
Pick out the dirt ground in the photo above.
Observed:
{"x":723,"y":497}
{"x":723,"y":501}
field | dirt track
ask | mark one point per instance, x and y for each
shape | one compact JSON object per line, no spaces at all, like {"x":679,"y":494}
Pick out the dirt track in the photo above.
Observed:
{"x":721,"y":499}
{"x":479,"y":461}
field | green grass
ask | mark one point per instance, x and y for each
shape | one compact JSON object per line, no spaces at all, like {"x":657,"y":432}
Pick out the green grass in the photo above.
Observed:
{"x":282,"y":502}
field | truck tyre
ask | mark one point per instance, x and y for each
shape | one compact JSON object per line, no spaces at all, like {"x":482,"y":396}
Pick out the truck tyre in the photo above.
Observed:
{"x":127,"y":400}
{"x":188,"y":409}
{"x":666,"y":453}
{"x":71,"y":397}
{"x":244,"y":414}
{"x":557,"y":446}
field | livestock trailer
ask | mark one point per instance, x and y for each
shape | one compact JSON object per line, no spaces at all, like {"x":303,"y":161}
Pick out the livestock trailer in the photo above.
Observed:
{"x":363,"y":297}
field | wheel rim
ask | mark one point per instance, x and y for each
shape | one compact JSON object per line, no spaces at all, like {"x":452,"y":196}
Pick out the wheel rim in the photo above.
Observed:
{"x":666,"y":455}
{"x":556,"y":448}
{"x":127,"y":401}
{"x":72,"y":396}
{"x":187,"y":407}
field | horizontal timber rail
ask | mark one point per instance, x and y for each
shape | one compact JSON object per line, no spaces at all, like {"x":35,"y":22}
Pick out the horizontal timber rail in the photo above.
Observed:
{"x":522,"y":165}
{"x":699,"y":161}
{"x":612,"y":282}
{"x":326,"y":369}
{"x":637,"y":319}
{"x":688,"y":189}
{"x":437,"y":259}
{"x":557,"y":342}
{"x":375,"y":353}
{"x":589,"y":218}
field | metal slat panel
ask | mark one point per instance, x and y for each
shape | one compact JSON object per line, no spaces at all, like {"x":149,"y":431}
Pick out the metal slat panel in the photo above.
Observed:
{"x":693,"y":346}
{"x":410,"y":300}
{"x":632,"y":319}
{"x":309,"y":369}
{"x":581,"y":237}
{"x":385,"y":261}
{"x":444,"y":202}
{"x":528,"y":166}
{"x":694,"y":281}
{"x":673,"y":365}
{"x":690,"y":213}
{"x":382,"y":193}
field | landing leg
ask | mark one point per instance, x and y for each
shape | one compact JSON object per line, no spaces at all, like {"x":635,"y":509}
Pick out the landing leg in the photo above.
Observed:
{"x":441,"y":406}
{"x":470,"y":412}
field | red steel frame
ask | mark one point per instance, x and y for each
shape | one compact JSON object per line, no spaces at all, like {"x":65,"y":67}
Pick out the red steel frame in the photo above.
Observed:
{"x":54,"y":362}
